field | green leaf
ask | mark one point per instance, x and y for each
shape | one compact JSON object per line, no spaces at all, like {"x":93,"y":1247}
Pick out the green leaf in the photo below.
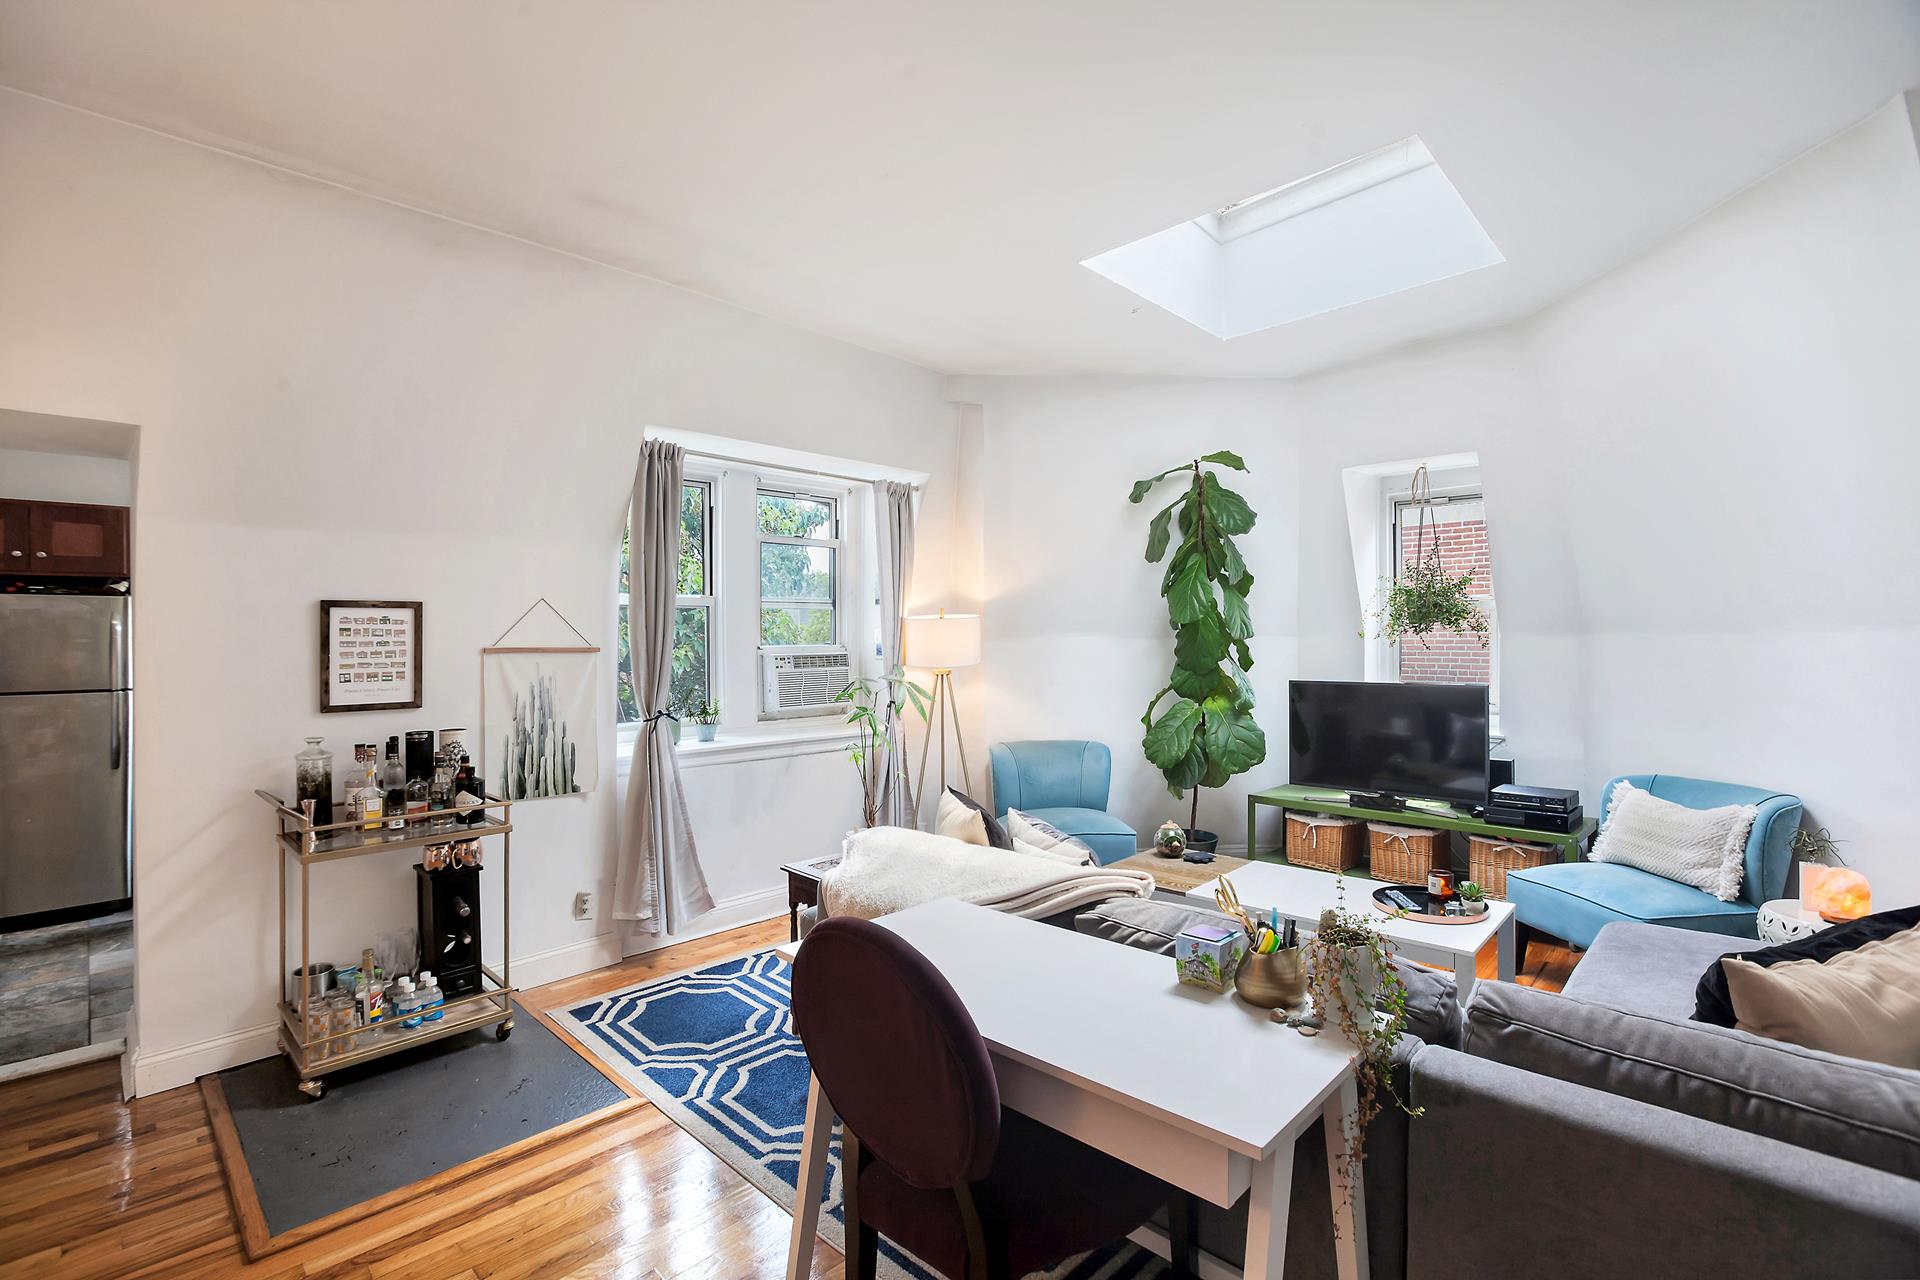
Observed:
{"x":1232,"y":740}
{"x":1180,"y":557}
{"x":1200,"y":644}
{"x":1225,"y":458}
{"x":1198,"y":684}
{"x":1243,"y":655}
{"x":1235,"y":571}
{"x":1233,"y":610}
{"x":1171,"y":736}
{"x":1242,"y":689}
{"x":1157,"y":532}
{"x":1188,"y":771}
{"x":1141,"y":488}
{"x":1227,"y":510}
{"x":1190,"y":597}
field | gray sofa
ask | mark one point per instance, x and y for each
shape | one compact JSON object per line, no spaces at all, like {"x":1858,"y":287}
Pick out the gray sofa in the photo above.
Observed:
{"x":1601,"y":1133}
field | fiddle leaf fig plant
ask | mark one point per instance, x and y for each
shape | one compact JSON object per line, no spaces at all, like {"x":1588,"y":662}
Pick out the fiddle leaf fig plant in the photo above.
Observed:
{"x":1200,"y":729}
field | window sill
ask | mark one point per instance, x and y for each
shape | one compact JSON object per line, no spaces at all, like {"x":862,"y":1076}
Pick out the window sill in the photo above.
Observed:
{"x":754,"y":742}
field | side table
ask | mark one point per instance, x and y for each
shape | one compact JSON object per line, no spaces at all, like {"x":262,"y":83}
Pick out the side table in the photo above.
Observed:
{"x":803,"y":889}
{"x":1785,"y":920}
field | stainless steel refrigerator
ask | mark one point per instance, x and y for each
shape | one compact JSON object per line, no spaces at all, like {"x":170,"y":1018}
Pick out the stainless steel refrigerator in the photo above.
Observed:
{"x":66,"y":710}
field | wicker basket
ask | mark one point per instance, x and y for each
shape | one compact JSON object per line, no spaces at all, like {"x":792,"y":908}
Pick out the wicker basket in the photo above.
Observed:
{"x":1489,"y":860}
{"x":1404,"y":855}
{"x":1324,"y":843}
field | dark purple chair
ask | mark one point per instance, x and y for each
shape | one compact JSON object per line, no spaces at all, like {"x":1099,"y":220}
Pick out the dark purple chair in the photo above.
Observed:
{"x":927,"y":1156}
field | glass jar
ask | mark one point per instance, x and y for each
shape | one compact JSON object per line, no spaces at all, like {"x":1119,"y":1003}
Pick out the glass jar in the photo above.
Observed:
{"x":313,"y":779}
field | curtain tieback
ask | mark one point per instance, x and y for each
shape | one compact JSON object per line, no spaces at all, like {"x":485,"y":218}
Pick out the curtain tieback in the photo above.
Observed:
{"x":662,"y":712}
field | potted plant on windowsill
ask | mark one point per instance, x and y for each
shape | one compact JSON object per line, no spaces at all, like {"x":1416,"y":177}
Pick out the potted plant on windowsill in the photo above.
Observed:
{"x":706,"y":721}
{"x":1351,"y":980}
{"x":1206,"y":735}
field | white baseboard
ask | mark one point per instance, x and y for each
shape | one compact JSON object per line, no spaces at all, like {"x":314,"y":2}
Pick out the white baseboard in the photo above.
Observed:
{"x":542,"y":967}
{"x":727,"y":913}
{"x":156,"y":1072}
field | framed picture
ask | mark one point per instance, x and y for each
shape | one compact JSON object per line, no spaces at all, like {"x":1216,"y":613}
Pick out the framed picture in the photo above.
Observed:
{"x":370,"y":655}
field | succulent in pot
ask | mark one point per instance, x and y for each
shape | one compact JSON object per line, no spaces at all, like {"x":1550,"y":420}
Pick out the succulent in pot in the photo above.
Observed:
{"x":1473,"y":898}
{"x":706,"y":720}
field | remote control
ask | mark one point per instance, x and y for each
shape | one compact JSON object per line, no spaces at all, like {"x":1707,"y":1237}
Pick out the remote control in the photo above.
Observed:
{"x":1401,"y":900}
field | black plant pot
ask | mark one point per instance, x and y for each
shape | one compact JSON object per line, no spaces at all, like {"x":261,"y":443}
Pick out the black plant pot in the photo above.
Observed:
{"x":1203,"y":841}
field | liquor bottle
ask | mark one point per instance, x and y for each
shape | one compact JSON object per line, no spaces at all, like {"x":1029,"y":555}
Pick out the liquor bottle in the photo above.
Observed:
{"x":373,"y":798}
{"x":440,"y":790}
{"x":416,"y":801}
{"x":393,"y":804}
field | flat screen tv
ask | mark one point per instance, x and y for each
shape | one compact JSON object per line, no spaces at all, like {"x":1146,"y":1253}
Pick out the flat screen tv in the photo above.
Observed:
{"x":1426,"y":741}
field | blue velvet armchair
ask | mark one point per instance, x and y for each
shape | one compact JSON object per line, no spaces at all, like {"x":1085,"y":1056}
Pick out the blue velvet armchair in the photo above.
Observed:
{"x":1063,"y":783}
{"x":1573,"y":900}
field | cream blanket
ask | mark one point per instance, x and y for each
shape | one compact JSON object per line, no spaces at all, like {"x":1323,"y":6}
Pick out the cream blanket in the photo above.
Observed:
{"x":888,"y":869}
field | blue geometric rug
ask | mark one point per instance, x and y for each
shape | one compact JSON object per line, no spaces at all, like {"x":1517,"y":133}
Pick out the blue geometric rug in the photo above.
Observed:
{"x":714,"y":1049}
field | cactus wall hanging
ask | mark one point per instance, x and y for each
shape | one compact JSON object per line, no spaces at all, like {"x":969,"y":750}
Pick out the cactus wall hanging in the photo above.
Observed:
{"x":540,"y":711}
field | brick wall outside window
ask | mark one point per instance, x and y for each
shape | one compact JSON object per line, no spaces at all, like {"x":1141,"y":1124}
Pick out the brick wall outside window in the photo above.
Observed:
{"x":1451,"y":657}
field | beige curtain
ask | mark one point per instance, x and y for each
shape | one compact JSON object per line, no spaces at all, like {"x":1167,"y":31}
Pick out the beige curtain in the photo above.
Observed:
{"x":658,"y":885}
{"x":893,"y":509}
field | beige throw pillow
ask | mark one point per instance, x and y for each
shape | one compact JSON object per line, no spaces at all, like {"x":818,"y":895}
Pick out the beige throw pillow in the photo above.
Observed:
{"x":959,"y":821}
{"x":1863,"y":1003}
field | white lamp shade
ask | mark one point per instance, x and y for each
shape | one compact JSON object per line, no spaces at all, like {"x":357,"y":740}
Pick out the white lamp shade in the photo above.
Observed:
{"x":939,"y":641}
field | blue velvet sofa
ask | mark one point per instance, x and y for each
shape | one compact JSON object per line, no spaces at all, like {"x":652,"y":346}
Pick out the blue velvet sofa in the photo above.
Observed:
{"x":1062,"y":782}
{"x":1575,"y":900}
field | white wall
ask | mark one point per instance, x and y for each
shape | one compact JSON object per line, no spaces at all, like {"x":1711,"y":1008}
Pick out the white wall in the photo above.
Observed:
{"x":1698,"y":474}
{"x":65,"y":477}
{"x":1076,"y":635}
{"x":1739,"y":413}
{"x":341,"y":398}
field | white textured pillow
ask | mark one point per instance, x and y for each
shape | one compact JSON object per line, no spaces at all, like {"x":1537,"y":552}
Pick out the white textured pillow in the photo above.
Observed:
{"x":1706,"y":848}
{"x":1045,"y":837}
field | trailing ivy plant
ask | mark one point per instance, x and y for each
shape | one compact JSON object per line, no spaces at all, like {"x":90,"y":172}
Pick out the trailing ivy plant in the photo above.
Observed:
{"x":1206,"y":734}
{"x":1355,"y":988}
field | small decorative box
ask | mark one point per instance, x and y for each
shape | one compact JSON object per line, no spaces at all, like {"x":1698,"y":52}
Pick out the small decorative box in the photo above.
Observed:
{"x":1208,"y":955}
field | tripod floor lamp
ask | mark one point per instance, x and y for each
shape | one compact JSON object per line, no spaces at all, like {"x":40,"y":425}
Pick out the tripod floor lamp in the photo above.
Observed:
{"x":939,"y":642}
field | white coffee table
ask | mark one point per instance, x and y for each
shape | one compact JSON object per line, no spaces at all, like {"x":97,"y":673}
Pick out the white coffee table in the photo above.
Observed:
{"x":1300,"y":894}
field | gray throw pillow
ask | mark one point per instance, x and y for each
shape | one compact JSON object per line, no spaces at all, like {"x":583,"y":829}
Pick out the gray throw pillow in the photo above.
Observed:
{"x":1433,"y":1003}
{"x":1860,"y":1111}
{"x":1144,"y":923}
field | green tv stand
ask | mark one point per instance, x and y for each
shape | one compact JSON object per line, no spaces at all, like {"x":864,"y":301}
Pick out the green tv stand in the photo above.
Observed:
{"x":1416,"y":814}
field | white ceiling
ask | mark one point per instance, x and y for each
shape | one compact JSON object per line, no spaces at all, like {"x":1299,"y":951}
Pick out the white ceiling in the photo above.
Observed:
{"x":924,"y":179}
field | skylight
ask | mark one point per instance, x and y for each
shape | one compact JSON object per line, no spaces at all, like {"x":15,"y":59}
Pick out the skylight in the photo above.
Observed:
{"x":1375,"y":225}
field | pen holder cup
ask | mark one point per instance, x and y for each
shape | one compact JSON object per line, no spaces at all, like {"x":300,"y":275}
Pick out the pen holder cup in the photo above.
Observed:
{"x":1277,"y":980}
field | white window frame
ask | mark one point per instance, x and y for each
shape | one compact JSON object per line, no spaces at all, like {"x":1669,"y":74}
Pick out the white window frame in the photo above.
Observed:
{"x":1397,"y":500}
{"x":836,"y":499}
{"x":710,"y":600}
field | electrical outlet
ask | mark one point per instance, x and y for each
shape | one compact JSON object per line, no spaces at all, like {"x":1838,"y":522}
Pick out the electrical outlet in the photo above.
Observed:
{"x":583,"y":906}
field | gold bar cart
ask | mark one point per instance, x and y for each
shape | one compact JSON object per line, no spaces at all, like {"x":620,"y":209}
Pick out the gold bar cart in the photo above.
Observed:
{"x":307,"y":844}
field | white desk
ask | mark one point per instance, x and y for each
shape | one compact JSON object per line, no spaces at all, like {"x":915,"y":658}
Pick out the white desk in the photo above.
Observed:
{"x":1099,"y":1041}
{"x":1301,"y":894}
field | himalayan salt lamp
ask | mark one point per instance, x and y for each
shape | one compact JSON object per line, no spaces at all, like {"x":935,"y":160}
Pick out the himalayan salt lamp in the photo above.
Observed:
{"x":1835,"y":893}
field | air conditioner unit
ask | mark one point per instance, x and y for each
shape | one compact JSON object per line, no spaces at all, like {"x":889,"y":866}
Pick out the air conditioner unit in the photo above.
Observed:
{"x":794,"y":684}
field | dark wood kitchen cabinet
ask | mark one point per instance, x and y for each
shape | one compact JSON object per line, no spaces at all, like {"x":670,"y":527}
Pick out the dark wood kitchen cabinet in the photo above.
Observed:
{"x":13,"y":536}
{"x":63,"y":539}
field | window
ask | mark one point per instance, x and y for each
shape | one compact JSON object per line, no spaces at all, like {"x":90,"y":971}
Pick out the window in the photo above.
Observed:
{"x":693,"y":626}
{"x":1458,"y":522}
{"x":799,"y":568}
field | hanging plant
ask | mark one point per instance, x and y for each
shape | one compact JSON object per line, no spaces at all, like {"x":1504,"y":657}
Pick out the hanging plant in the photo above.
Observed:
{"x":1206,"y":734}
{"x":1351,"y":978}
{"x":1425,"y":598}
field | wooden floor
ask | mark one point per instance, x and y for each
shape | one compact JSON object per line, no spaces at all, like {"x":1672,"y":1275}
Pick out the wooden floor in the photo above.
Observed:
{"x":94,"y":1187}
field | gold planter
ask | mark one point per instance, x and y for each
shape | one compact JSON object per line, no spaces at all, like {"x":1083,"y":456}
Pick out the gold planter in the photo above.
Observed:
{"x":1274,"y":981}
